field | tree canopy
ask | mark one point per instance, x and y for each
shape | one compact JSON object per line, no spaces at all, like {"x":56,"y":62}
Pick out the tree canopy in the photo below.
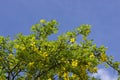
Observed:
{"x":35,"y":57}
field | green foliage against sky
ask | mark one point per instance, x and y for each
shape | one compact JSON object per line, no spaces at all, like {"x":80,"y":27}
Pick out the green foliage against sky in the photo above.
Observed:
{"x":35,"y":57}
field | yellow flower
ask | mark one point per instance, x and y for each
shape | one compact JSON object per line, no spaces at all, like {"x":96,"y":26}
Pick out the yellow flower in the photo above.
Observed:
{"x":89,"y":63}
{"x":31,"y":64}
{"x":21,"y":47}
{"x":86,"y":66}
{"x":54,"y":21}
{"x":49,"y":79}
{"x":74,"y":63}
{"x":42,"y":21}
{"x":73,"y":76}
{"x":45,"y":54}
{"x":65,"y":74}
{"x":103,"y":57}
{"x":92,"y":56}
{"x":33,"y":44}
{"x":95,"y":69}
{"x":66,"y":78}
{"x":72,"y":40}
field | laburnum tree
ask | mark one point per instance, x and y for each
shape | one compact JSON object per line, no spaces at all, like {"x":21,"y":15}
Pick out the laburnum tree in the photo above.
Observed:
{"x":35,"y":57}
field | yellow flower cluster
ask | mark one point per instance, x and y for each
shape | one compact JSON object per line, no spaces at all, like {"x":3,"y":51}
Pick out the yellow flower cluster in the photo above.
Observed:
{"x":33,"y":44}
{"x":42,"y":21}
{"x":45,"y":54}
{"x":72,"y":40}
{"x":92,"y":55}
{"x":49,"y":79}
{"x":66,"y":75}
{"x":73,"y":76}
{"x":31,"y":64}
{"x":66,"y":61}
{"x":21,"y":47}
{"x":32,"y":39}
{"x":103,"y":57}
{"x":74,"y":63}
{"x":88,"y":65}
{"x":95,"y":69}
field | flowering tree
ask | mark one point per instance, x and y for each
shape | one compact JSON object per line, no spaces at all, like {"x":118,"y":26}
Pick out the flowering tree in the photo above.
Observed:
{"x":35,"y":57}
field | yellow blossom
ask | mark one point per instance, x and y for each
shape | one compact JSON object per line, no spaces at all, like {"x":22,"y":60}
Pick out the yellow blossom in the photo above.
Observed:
{"x":65,"y":74}
{"x":42,"y":21}
{"x":73,"y":76}
{"x":45,"y":54}
{"x":95,"y":69}
{"x":72,"y":40}
{"x":66,"y":78}
{"x":74,"y":63}
{"x":86,"y":66}
{"x":89,"y":63}
{"x":49,"y":79}
{"x":103,"y":57}
{"x":92,"y":56}
{"x":33,"y":44}
{"x":31,"y":64}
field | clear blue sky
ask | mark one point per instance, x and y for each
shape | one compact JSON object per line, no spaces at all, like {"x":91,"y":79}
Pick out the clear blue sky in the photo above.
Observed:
{"x":104,"y":16}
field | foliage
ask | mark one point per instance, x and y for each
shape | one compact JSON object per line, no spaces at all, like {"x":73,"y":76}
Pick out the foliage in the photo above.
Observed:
{"x":35,"y":57}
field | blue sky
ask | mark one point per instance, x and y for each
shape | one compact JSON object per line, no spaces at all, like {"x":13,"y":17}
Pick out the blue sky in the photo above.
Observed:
{"x":103,"y":15}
